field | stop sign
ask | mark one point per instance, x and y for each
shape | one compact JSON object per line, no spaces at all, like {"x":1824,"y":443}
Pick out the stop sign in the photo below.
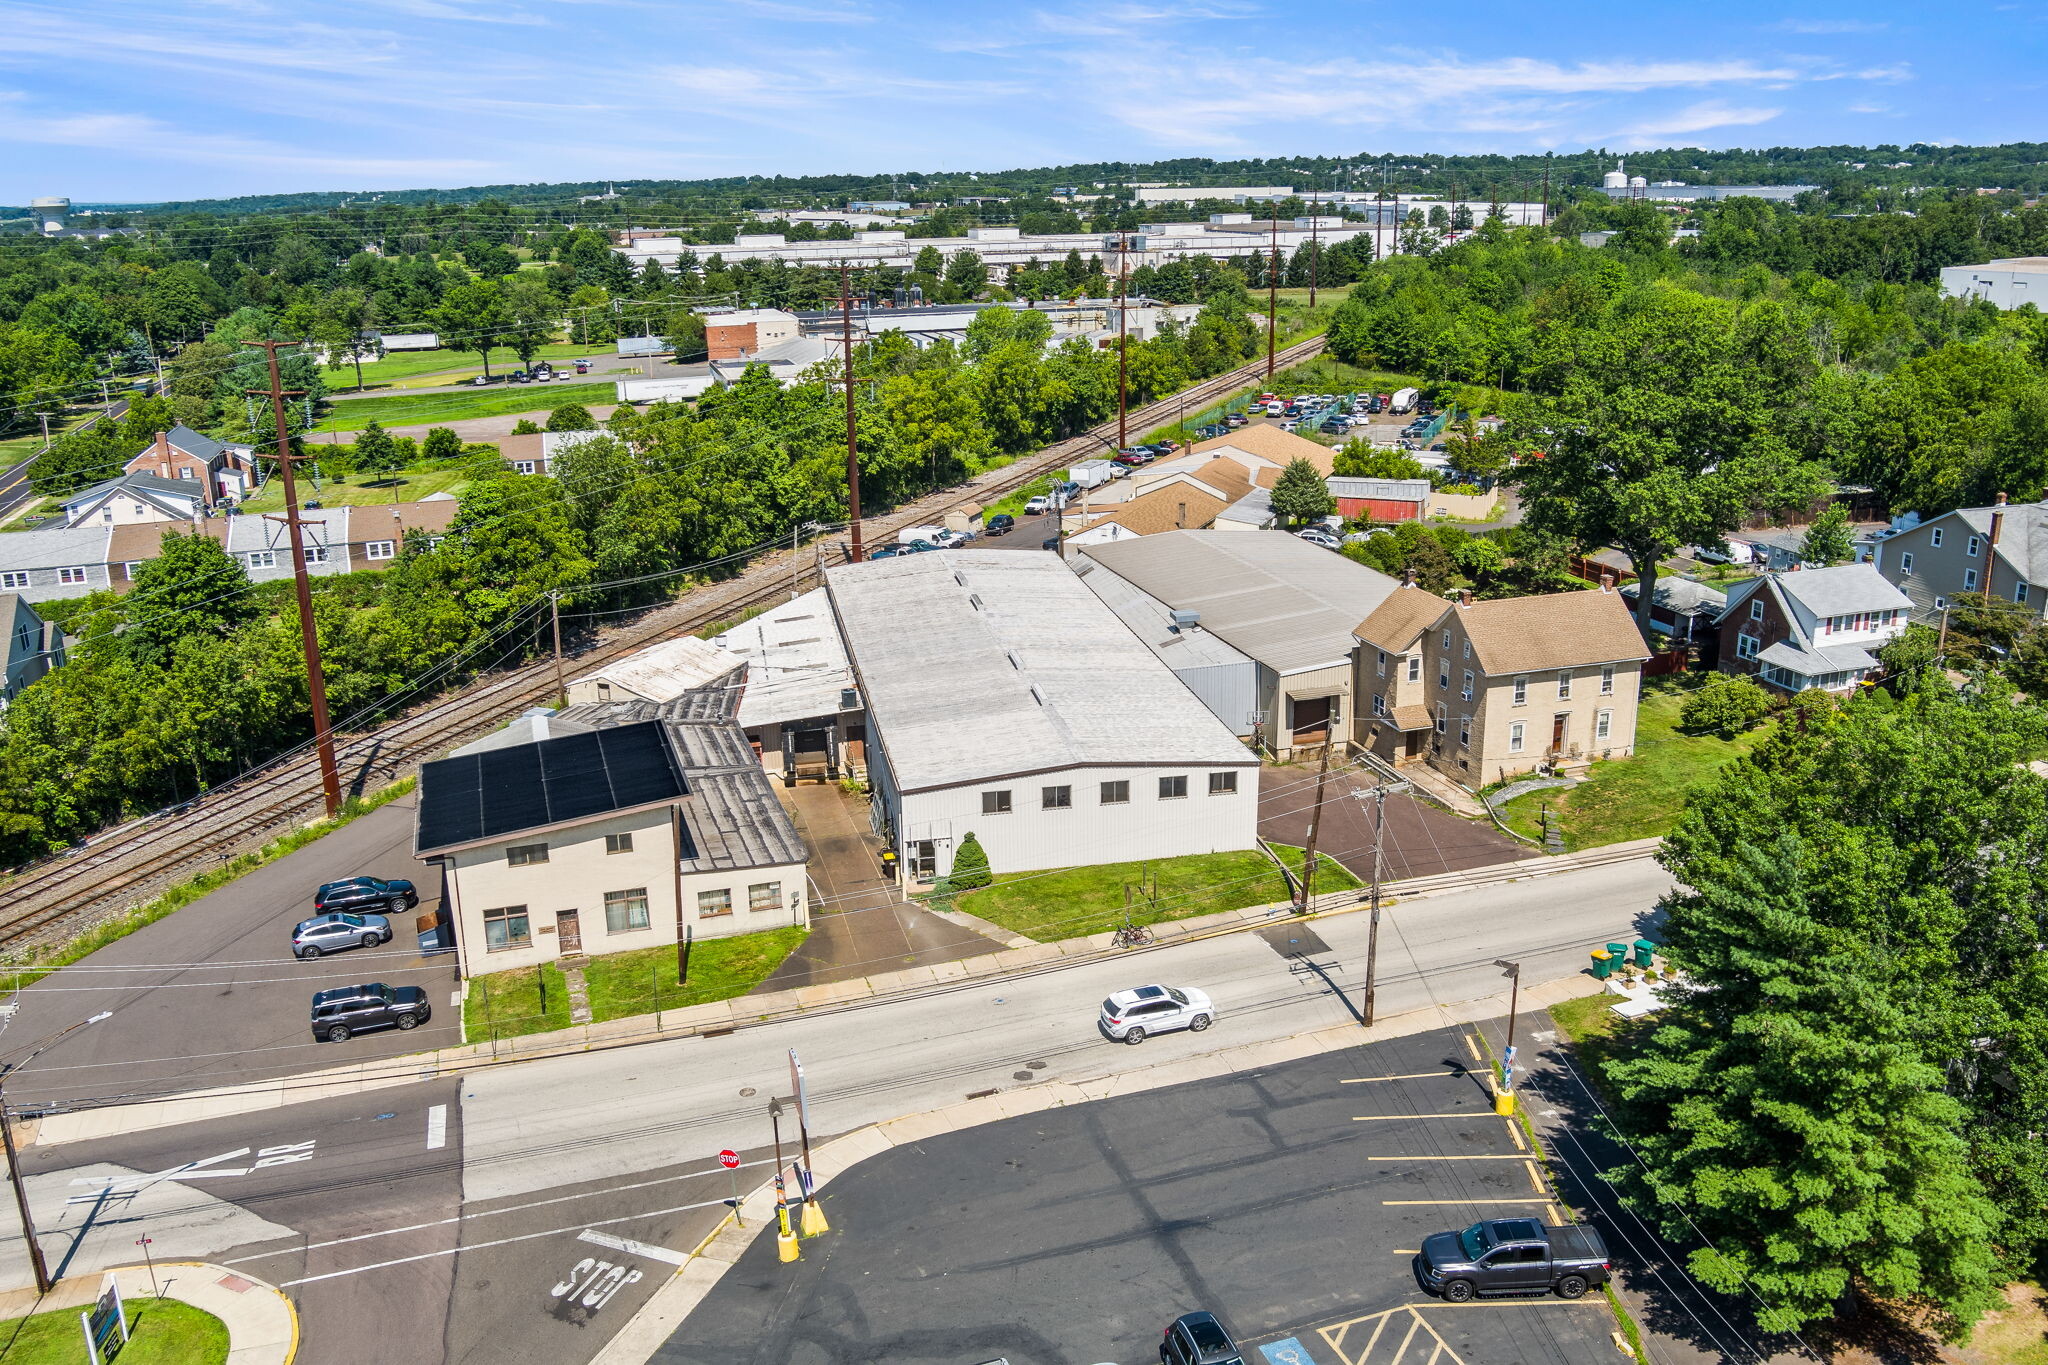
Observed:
{"x":729,"y":1159}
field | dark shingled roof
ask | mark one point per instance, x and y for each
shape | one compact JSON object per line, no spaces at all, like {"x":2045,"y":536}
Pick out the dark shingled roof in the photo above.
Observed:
{"x":531,"y":786}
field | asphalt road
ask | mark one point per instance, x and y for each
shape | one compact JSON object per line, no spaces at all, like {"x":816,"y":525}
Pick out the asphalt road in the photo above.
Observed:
{"x":1420,"y":841}
{"x":211,"y":994}
{"x":1289,"y":1201}
{"x":503,"y":1216}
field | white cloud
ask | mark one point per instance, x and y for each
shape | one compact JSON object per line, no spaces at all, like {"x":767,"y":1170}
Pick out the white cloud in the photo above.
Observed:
{"x":1698,"y":118}
{"x":1821,"y":27}
{"x":805,"y":14}
{"x":132,"y":132}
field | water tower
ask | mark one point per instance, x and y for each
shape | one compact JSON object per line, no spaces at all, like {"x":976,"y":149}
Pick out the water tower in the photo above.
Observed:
{"x":1616,"y":179}
{"x":50,"y":214}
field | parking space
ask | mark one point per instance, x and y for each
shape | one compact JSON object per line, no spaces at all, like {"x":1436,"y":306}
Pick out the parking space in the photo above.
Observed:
{"x":1289,"y":1200}
{"x":1421,"y":839}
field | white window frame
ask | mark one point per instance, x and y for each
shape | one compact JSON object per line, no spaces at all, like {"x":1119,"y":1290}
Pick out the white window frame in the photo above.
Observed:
{"x":1607,"y":680}
{"x":1466,"y":691}
{"x":1976,"y":547}
{"x":316,"y":554}
{"x":764,"y":896}
{"x":1564,"y":684}
{"x":1934,"y":538}
{"x":1521,"y":697}
{"x":1443,"y":674}
{"x":522,"y":466}
{"x":631,"y":907}
{"x":1756,"y":608}
{"x":1603,"y":724}
{"x":1380,"y":668}
{"x":71,"y":574}
{"x":380,"y":549}
{"x":1941,"y":604}
{"x":1516,"y":731}
{"x":18,"y":578}
{"x":1906,"y":564}
{"x":1465,"y":730}
{"x":1058,"y":797}
{"x":2019,"y":592}
{"x":1969,"y":580}
{"x":1414,"y":668}
{"x":1443,"y":718}
{"x":1747,"y":645}
{"x":1379,"y":704}
{"x":261,"y":559}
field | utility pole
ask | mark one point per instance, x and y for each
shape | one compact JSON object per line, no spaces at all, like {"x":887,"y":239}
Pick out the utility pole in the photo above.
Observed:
{"x":28,"y":1224}
{"x":316,"y":680}
{"x":1123,"y":354}
{"x":1378,"y":796}
{"x":854,"y":555}
{"x":555,"y":611}
{"x":1504,"y":1102}
{"x":1273,"y":294}
{"x":1315,"y":826}
{"x":1546,"y":189}
{"x":1315,"y":219}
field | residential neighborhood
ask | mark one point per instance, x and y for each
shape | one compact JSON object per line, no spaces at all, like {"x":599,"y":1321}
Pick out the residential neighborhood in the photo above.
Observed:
{"x":1356,"y":697}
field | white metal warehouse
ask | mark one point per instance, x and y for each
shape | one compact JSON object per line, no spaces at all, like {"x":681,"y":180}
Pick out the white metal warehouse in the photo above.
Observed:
{"x":1004,"y":699}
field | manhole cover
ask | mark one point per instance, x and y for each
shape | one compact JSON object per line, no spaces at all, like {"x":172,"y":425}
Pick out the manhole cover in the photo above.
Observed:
{"x":1022,"y":1076}
{"x":1036,"y":1066}
{"x":747,"y":1092}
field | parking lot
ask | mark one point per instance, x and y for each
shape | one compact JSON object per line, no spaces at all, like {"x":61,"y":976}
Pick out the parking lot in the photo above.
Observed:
{"x":1288,"y":1200}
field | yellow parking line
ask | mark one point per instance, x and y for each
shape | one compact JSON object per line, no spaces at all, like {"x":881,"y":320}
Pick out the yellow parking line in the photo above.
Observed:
{"x":1556,"y":1219}
{"x":1472,"y":1047}
{"x":1406,"y":1251}
{"x":1367,"y":1118}
{"x":1411,"y":1076}
{"x":1464,"y":1201}
{"x":1515,"y":1132}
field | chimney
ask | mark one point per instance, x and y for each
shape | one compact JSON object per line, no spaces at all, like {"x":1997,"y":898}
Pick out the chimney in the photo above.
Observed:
{"x":1607,"y":582}
{"x":1407,"y":578}
{"x":1464,"y":597}
{"x":2000,"y":500}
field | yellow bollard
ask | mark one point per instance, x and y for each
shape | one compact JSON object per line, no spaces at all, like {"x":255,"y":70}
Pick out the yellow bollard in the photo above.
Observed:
{"x":814,"y":1218}
{"x":1504,"y":1103}
{"x":785,"y":1245}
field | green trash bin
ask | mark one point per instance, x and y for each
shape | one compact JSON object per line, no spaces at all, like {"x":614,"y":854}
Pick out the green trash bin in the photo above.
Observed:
{"x":1619,"y":952}
{"x":1603,"y":964}
{"x":1645,"y":953}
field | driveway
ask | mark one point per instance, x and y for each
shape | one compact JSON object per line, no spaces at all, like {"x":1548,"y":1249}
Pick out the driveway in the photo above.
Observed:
{"x":859,"y":923}
{"x":210,"y":995}
{"x":1421,"y":840}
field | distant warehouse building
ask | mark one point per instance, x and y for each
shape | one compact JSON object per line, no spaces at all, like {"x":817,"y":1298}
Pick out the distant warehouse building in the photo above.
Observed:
{"x":2007,"y":283}
{"x":1005,"y":701}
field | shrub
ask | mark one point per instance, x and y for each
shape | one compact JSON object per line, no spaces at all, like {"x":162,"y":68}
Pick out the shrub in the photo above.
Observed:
{"x":970,"y":866}
{"x":525,"y":427}
{"x":441,"y":444}
{"x":1727,"y":705}
{"x":571,"y":417}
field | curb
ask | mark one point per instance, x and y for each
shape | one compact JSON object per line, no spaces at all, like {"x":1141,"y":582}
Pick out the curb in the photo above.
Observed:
{"x":727,"y":1016}
{"x":671,"y":1305}
{"x":262,"y":1324}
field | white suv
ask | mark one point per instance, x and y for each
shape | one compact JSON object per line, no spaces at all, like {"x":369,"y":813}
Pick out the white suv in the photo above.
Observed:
{"x":1129,"y":1016}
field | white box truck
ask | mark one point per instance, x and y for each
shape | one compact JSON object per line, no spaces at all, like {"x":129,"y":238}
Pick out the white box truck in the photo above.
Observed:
{"x":1405,"y":400}
{"x":1092,"y":473}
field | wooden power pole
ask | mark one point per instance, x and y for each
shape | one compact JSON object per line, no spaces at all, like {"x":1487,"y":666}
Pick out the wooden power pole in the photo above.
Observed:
{"x":854,"y":553}
{"x":1273,"y":294}
{"x":1123,"y":354}
{"x":316,"y":680}
{"x":1315,"y":826}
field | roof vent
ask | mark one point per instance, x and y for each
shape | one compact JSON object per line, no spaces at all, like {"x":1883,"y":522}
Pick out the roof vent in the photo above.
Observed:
{"x":849,"y":699}
{"x":1187,"y":620}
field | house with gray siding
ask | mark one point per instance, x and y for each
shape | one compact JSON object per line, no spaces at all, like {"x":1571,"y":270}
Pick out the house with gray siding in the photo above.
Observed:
{"x":1999,"y":551}
{"x":34,"y":646}
{"x":1811,"y":628}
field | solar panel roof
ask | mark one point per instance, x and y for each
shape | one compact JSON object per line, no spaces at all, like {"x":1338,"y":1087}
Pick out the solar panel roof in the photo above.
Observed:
{"x":483,"y":796}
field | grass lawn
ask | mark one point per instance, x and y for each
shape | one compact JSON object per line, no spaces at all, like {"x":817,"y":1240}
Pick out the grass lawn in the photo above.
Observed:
{"x":448,"y":366}
{"x":416,"y":484}
{"x":399,"y":410}
{"x":1633,"y":798}
{"x":1077,"y":901}
{"x":160,"y":1332}
{"x":644,"y":980}
{"x":508,"y":1004}
{"x":1013,"y":503}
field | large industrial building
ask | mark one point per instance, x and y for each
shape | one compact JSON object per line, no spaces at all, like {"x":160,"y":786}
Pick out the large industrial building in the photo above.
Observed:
{"x":2008,"y":282}
{"x":1004,"y":700}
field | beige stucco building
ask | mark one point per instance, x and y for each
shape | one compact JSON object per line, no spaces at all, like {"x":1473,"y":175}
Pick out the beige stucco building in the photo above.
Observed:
{"x":1483,"y":691}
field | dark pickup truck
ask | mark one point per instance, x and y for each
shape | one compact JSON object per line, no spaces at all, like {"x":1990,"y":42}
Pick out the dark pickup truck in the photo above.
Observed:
{"x":1512,"y":1256}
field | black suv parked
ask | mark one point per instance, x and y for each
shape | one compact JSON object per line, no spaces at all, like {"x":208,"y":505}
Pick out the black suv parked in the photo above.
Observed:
{"x":1198,"y":1339}
{"x":347,"y":1010}
{"x":366,"y":893}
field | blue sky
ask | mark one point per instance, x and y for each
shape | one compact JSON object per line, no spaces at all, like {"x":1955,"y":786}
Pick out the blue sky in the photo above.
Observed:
{"x":183,"y":99}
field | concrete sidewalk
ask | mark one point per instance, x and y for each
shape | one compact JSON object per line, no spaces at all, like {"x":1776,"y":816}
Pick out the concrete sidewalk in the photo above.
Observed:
{"x":263,"y":1327}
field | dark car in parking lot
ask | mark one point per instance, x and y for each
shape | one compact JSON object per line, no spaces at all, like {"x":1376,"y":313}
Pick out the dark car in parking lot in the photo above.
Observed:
{"x":345,"y":1011}
{"x":332,"y":933}
{"x":1513,"y":1256}
{"x":1001,"y":524}
{"x":1237,"y":419}
{"x":1198,"y":1339}
{"x":366,"y":893}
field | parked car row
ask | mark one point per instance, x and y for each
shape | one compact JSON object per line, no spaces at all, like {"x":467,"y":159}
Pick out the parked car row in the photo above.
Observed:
{"x":355,"y":913}
{"x":542,"y":372}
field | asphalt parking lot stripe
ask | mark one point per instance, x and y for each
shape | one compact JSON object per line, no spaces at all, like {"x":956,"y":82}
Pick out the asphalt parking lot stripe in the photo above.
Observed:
{"x":1411,"y":1076}
{"x":1536,"y":1178}
{"x":1515,"y":1132}
{"x":437,"y":1127}
{"x":1464,"y":1201}
{"x":1371,"y":1118}
{"x":631,"y":1247}
{"x":1472,"y":1046}
{"x":1483,"y":1156}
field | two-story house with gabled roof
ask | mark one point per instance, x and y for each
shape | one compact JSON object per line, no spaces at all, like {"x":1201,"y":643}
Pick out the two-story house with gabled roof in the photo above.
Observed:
{"x":1810,"y":628}
{"x":135,"y":500}
{"x":2000,"y":551}
{"x":219,"y":469}
{"x":1482,"y":691}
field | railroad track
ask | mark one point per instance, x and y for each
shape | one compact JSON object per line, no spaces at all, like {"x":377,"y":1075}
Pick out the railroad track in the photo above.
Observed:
{"x":127,"y":865}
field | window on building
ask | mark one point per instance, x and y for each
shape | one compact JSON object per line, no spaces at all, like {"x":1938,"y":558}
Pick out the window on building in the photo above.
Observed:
{"x":506,"y":928}
{"x":1222,"y":784}
{"x":1465,"y":691}
{"x":521,"y":855}
{"x":107,"y":514}
{"x":316,"y":554}
{"x":1934,"y":538}
{"x":625,"y":911}
{"x":1969,"y":580}
{"x":764,"y":896}
{"x":1607,"y":680}
{"x":1745,"y":646}
{"x":1603,"y":723}
{"x":2019,"y":592}
{"x":1116,"y":793}
{"x":1976,"y":547}
{"x":1564,"y":684}
{"x":1443,"y":673}
{"x":1380,"y":667}
{"x":1756,"y":608}
{"x":71,"y":575}
{"x":129,"y":569}
{"x":1379,"y":704}
{"x":1941,"y":604}
{"x":618,"y":843}
{"x":1447,"y":642}
{"x":523,"y":466}
{"x":995,"y":803}
{"x":1467,"y":649}
{"x":1443,"y":718}
{"x":1521,"y":690}
{"x":1906,"y":565}
{"x":1465,"y":731}
{"x":712,"y":904}
{"x":1515,"y":732}
{"x":1056,"y":798}
{"x":14,"y":578}
{"x":1414,"y":668}
{"x":262,"y":559}
{"x":1172,"y":788}
{"x":381,"y":549}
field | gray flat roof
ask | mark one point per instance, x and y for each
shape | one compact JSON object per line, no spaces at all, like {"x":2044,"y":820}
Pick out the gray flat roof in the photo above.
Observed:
{"x":796,"y":664}
{"x":1289,"y":604}
{"x":983,"y":663}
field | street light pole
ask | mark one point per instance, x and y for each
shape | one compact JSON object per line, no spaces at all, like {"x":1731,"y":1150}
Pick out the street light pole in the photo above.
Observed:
{"x":1504,"y":1102}
{"x":28,"y":1224}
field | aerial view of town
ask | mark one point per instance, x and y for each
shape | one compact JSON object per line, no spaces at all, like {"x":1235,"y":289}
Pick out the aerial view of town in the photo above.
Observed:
{"x":859,"y":682}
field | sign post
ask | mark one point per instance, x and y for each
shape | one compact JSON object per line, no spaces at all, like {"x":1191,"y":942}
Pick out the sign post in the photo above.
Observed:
{"x":106,"y":1325}
{"x":149,"y":1261}
{"x":813,"y":1216}
{"x":731,"y":1161}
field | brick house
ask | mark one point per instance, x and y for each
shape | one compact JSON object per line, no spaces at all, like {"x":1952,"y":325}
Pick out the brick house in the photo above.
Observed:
{"x":747,"y":332}
{"x":1483,"y":691}
{"x":1999,"y":551}
{"x":1811,"y":628}
{"x":221,"y":469}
